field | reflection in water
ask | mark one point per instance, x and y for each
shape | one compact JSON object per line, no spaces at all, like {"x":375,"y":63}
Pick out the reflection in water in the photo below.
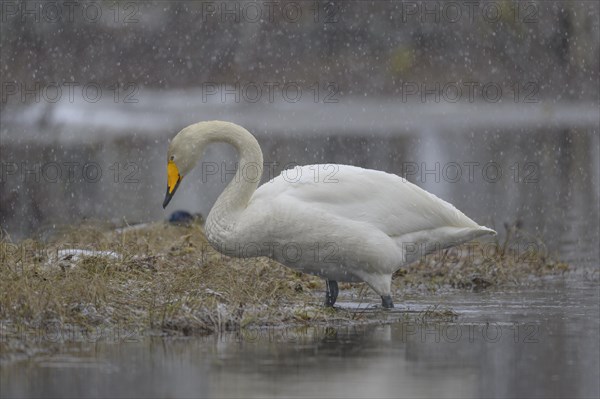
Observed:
{"x":542,"y":342}
{"x":538,"y":343}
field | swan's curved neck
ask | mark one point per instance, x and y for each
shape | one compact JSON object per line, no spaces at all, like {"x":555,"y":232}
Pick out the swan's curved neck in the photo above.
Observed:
{"x":234,"y":199}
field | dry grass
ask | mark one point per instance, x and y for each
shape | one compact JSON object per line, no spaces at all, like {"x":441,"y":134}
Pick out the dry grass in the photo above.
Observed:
{"x":168,"y":280}
{"x":519,"y":259}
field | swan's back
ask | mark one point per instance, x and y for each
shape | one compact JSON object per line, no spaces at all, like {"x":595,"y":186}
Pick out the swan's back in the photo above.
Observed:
{"x":385,"y":201}
{"x":340,"y":222}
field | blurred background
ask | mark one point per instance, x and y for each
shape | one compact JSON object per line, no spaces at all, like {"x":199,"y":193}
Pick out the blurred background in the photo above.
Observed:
{"x":493,"y":106}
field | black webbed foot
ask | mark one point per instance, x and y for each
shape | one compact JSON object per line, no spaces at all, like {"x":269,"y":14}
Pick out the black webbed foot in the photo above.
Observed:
{"x":332,"y":292}
{"x":386,"y":302}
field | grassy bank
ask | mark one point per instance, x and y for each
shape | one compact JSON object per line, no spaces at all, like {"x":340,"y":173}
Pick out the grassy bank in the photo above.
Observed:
{"x":166,"y":279}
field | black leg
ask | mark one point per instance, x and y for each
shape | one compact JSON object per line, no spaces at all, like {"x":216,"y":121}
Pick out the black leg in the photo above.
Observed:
{"x":386,"y":302}
{"x":332,"y":292}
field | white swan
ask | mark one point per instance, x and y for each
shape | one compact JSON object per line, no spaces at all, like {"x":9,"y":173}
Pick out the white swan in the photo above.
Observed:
{"x":340,"y":222}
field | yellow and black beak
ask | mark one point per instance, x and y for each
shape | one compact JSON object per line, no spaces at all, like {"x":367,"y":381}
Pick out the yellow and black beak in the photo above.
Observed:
{"x":173,"y":180}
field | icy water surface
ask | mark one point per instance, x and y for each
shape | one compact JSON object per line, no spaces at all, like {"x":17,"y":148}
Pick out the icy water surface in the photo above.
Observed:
{"x":534,"y":342}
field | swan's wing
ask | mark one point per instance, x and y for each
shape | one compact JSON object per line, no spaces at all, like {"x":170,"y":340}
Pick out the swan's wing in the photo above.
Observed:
{"x":387,"y":202}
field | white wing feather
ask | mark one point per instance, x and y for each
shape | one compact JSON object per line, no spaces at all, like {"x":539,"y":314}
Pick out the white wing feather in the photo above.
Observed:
{"x":385,"y":201}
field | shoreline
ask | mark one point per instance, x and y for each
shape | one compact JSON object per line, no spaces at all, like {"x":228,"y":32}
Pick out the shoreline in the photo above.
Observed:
{"x":163,"y":280}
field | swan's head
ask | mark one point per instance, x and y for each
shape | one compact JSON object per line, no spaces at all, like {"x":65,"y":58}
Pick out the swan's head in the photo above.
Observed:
{"x":184,"y":152}
{"x":187,"y":147}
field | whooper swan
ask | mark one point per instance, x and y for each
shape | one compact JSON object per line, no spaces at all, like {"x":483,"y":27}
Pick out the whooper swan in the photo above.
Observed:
{"x":340,"y":222}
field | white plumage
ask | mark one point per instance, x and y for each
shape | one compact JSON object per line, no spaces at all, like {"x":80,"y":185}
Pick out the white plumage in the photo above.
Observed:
{"x":340,"y":222}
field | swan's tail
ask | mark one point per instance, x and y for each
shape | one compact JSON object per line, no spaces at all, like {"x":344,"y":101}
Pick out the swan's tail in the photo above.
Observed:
{"x":422,"y":243}
{"x":487,"y":231}
{"x":462,"y":235}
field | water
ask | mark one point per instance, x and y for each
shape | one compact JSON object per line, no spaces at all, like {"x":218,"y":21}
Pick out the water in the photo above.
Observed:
{"x":535,"y":342}
{"x":536,"y":163}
